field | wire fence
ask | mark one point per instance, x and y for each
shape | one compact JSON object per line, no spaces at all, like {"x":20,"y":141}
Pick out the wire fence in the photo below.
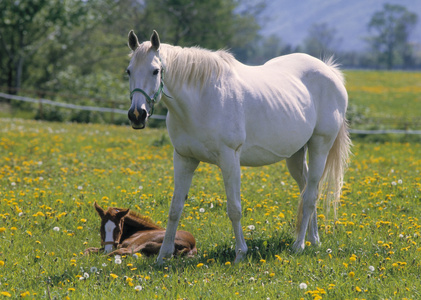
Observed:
{"x":71,"y":106}
{"x":42,"y":101}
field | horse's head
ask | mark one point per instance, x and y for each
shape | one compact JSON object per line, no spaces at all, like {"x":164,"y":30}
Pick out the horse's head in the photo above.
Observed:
{"x":111,"y":226}
{"x":146,"y":78}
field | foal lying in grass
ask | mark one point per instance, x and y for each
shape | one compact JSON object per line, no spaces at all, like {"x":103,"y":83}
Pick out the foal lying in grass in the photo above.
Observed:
{"x":126,"y":232}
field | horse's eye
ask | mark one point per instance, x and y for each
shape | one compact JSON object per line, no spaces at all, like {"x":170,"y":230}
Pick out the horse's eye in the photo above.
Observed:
{"x":128,"y":72}
{"x":156,"y":71}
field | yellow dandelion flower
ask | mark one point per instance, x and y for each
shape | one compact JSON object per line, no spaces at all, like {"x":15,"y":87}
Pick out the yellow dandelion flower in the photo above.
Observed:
{"x":228,"y":263}
{"x":351,"y":274}
{"x":2,"y":229}
{"x":199,"y":265}
{"x":71,"y":289}
{"x":6,"y":294}
{"x":1,"y":263}
{"x":358,"y":289}
{"x":25,"y":294}
{"x":113,"y":276}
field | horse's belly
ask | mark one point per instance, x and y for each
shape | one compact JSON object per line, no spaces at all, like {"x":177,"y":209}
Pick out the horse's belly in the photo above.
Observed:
{"x":273,"y":146}
{"x":258,"y":156}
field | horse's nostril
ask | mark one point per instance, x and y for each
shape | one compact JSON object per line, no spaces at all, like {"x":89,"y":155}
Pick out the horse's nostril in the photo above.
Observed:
{"x":137,"y":115}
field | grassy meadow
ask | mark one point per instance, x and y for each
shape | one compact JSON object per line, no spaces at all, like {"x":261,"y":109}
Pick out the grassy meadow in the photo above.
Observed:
{"x":384,"y":100}
{"x":51,"y":174}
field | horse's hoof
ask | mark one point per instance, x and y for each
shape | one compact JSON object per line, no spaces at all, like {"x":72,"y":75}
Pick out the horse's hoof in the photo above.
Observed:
{"x":159,"y":261}
{"x":240,"y":255}
{"x":316,"y":244}
{"x":298,"y":247}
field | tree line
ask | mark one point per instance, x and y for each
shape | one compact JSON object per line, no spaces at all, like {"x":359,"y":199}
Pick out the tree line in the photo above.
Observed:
{"x":80,"y":47}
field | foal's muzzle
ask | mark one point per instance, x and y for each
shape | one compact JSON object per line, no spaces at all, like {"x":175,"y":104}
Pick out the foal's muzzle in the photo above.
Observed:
{"x":137,"y":117}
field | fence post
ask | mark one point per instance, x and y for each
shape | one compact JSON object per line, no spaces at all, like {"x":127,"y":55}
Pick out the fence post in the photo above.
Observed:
{"x":40,"y":107}
{"x":112,"y":112}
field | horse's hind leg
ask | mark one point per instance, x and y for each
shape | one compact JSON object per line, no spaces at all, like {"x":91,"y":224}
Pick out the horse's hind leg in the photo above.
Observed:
{"x":183,"y":175}
{"x":297,"y":166}
{"x":318,"y":150}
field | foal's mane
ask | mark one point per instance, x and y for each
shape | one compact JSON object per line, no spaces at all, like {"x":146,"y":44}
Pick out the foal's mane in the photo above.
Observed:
{"x":136,"y":220}
{"x":190,"y":65}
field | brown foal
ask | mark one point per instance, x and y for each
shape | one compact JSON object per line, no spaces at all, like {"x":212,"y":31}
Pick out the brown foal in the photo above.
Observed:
{"x":128,"y":232}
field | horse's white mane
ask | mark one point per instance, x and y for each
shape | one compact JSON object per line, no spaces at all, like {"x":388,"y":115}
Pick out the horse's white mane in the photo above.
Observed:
{"x":188,"y":65}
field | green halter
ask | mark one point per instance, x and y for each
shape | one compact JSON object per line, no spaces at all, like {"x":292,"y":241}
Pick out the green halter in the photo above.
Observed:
{"x":152,"y":101}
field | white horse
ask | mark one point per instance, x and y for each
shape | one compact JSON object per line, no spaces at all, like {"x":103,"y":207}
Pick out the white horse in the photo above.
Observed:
{"x":225,"y":113}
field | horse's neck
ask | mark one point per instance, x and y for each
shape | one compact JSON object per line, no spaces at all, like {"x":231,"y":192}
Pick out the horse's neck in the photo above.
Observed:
{"x":134,"y":224}
{"x":191,"y":75}
{"x":138,"y":223}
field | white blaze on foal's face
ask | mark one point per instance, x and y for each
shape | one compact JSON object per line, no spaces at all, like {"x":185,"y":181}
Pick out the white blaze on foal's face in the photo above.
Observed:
{"x":109,"y":235}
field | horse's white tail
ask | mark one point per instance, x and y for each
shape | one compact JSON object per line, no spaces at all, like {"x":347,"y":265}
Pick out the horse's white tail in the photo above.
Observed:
{"x":336,"y":164}
{"x":331,"y":182}
{"x":337,"y":160}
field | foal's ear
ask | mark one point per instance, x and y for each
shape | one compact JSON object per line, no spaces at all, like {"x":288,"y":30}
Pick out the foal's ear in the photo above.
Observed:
{"x":99,"y":210}
{"x":155,"y":40}
{"x":122,"y":214}
{"x":133,"y":41}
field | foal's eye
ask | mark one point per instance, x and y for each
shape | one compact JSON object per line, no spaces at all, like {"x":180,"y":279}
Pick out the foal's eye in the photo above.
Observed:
{"x":128,"y":72}
{"x":156,"y":71}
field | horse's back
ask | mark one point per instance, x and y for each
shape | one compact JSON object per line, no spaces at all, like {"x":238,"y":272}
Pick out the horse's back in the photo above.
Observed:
{"x":288,"y":99}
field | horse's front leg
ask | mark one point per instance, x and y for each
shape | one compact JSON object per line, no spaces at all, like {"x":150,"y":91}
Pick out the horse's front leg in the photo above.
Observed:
{"x":231,"y":172}
{"x":183,"y":173}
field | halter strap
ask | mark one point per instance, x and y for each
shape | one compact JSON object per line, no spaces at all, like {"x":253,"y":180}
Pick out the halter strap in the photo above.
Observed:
{"x":152,"y":101}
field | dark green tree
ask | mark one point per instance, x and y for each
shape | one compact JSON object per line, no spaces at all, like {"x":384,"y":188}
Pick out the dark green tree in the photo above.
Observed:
{"x":391,"y":29}
{"x":38,"y":37}
{"x":210,"y":24}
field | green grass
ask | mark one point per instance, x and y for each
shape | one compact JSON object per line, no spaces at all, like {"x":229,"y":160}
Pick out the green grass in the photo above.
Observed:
{"x":384,"y":99}
{"x":51,"y":173}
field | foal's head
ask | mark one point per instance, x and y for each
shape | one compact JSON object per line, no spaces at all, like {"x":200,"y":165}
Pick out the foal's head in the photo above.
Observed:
{"x":111,"y":226}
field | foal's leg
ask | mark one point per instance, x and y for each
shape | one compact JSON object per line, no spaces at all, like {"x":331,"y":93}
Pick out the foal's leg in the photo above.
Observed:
{"x":183,"y":174}
{"x":318,"y":149}
{"x":231,"y":172}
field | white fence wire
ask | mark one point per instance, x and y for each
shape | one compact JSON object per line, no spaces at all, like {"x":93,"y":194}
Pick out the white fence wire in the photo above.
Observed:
{"x":72,"y":106}
{"x":161,"y":117}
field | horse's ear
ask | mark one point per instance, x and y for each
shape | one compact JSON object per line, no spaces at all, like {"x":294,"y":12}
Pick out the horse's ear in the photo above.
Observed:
{"x":99,"y":210}
{"x":122,"y":214}
{"x":133,"y":41}
{"x":155,"y":40}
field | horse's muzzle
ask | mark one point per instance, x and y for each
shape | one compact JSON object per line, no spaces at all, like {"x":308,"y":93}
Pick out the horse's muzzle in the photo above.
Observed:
{"x":137,"y":117}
